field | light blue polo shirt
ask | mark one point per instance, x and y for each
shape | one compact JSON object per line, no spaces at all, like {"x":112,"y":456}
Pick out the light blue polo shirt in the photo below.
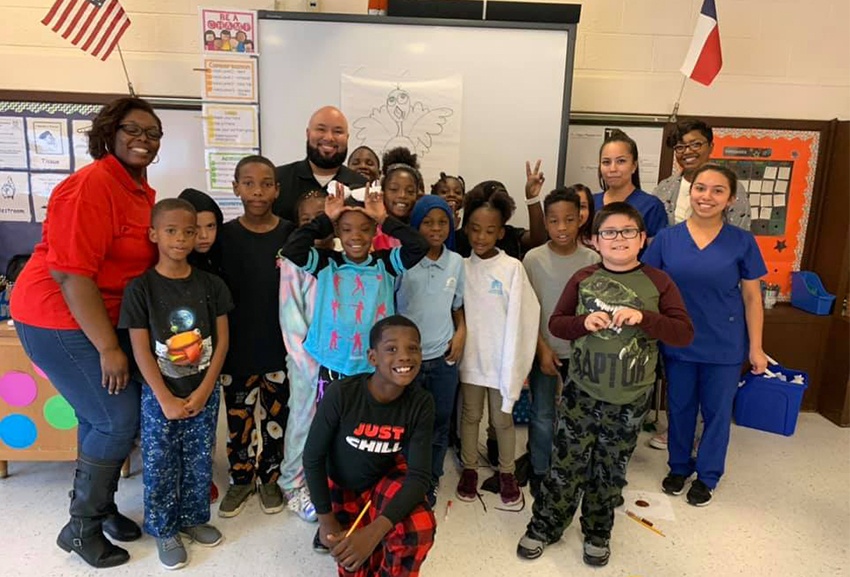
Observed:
{"x":427,"y":294}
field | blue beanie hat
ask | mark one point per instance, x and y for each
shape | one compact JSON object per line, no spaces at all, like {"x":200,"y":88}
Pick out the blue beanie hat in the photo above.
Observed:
{"x":423,"y":206}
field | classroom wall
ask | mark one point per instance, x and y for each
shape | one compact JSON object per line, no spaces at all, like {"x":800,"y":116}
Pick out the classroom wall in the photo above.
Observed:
{"x":783,"y":58}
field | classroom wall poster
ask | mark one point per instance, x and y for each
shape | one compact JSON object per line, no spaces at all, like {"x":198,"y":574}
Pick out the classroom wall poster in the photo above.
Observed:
{"x":13,"y":145}
{"x":41,"y":186}
{"x":230,"y":126}
{"x":229,"y":31}
{"x":48,"y":144}
{"x":777,"y":168}
{"x":221,"y":167}
{"x":80,"y":139}
{"x":14,"y":197}
{"x":421,"y":115}
{"x":230,"y":80}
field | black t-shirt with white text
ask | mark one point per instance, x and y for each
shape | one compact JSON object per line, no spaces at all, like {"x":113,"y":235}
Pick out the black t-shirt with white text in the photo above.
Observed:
{"x":180,"y":315}
{"x":355,"y":440}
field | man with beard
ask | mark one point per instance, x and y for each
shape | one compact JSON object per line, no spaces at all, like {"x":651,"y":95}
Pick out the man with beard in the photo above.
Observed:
{"x":327,"y":148}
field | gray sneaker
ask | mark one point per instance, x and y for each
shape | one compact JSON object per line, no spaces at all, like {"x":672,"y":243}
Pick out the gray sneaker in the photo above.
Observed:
{"x":271,"y":498}
{"x":172,"y":553}
{"x":596,"y":551}
{"x":204,"y":535}
{"x":235,"y":499}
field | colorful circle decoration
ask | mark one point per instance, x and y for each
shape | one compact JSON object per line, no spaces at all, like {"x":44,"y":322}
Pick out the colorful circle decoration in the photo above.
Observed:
{"x":59,"y":414}
{"x":18,"y":389}
{"x":18,"y":431}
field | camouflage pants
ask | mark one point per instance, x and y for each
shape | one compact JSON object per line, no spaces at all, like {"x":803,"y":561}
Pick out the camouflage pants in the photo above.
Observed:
{"x":593,"y":444}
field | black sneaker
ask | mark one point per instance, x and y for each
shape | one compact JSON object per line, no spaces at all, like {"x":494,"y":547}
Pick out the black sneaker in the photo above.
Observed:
{"x":673,"y":484}
{"x":596,"y":551}
{"x":699,"y":495}
{"x":318,"y":546}
{"x":431,"y":496}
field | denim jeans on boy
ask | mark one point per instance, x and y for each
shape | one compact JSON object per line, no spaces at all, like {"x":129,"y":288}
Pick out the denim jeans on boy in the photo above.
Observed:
{"x":441,"y":380}
{"x":541,"y":425}
{"x":108,"y":424}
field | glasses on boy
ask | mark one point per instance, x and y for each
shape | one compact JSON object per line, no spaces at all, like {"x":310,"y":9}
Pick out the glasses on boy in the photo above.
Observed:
{"x":611,"y":234}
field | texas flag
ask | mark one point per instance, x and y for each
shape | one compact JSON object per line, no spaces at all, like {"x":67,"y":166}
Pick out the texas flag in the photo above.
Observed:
{"x":704,"y":59}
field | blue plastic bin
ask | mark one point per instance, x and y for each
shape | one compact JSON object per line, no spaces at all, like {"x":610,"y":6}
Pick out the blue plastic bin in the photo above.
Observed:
{"x":770,"y":404}
{"x":808,"y":294}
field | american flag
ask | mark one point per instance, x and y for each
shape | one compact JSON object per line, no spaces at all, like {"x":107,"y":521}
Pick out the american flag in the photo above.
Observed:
{"x":94,"y":26}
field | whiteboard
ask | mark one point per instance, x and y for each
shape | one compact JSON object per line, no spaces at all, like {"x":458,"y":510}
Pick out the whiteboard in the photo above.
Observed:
{"x":181,"y":155}
{"x":586,"y":140}
{"x":516,"y":84}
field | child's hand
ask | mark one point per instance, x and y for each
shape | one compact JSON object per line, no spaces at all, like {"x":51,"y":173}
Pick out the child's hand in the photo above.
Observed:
{"x":456,"y":345}
{"x":758,"y":360}
{"x":173,"y":408}
{"x":549,"y":361}
{"x":197,"y":400}
{"x":597,"y":321}
{"x":375,"y":209}
{"x":330,"y":531}
{"x":626,"y":316}
{"x":352,"y":551}
{"x":335,"y":205}
{"x":534,"y":180}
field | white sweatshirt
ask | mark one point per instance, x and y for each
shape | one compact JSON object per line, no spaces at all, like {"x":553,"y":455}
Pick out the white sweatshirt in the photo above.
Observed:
{"x":502,"y":321}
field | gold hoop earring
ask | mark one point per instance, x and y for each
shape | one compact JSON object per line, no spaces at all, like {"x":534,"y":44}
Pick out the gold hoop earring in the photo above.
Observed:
{"x":155,"y":159}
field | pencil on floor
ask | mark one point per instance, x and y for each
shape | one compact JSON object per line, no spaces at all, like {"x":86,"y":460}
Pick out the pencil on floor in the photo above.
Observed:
{"x":643,"y":522}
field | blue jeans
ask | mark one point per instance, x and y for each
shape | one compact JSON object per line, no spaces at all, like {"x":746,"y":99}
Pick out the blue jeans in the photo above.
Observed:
{"x":541,"y":426}
{"x":108,"y":424}
{"x":440,"y":379}
{"x":708,"y":389}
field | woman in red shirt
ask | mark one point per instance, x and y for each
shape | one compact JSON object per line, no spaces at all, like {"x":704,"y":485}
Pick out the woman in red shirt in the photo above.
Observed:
{"x":65,"y":306}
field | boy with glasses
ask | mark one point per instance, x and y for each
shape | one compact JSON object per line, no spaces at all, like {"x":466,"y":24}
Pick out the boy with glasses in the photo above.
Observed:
{"x":614,"y":313}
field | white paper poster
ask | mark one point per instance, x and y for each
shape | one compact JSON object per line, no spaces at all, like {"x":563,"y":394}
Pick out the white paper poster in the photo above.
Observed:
{"x":230,"y":80}
{"x":79,"y":136}
{"x":221,"y":167}
{"x":230,"y":126}
{"x":48,"y":144}
{"x":231,"y":207}
{"x":423,"y":116}
{"x":14,"y":197}
{"x":13,"y":146}
{"x":43,"y":184}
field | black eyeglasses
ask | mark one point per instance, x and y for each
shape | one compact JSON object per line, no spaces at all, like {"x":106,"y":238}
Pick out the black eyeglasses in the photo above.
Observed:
{"x":136,"y":130}
{"x":611,"y":233}
{"x":694,"y":146}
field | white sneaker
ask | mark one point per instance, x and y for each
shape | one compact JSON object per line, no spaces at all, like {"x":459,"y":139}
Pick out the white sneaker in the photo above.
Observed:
{"x":659,"y":441}
{"x":299,"y":502}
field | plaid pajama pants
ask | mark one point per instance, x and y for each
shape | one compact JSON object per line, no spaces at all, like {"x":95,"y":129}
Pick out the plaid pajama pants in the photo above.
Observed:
{"x":404,"y":548}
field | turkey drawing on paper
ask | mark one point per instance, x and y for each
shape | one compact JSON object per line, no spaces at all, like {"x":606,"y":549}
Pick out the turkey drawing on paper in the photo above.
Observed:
{"x":421,"y":115}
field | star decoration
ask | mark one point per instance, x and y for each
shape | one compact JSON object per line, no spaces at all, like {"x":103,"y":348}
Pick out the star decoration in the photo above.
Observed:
{"x":780,"y":246}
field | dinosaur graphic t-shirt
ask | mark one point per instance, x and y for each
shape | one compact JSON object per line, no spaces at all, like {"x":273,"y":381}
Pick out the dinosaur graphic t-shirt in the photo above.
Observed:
{"x":181,"y":317}
{"x":617,"y":364}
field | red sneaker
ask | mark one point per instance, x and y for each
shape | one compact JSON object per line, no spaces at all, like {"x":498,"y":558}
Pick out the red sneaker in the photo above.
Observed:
{"x":509,"y":489}
{"x":467,"y":487}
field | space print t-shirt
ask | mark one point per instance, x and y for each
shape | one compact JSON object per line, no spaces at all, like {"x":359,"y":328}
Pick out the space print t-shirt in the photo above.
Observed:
{"x":181,"y":317}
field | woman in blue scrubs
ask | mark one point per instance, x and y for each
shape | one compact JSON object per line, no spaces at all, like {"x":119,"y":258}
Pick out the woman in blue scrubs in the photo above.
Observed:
{"x":620,"y":180}
{"x":717,"y":267}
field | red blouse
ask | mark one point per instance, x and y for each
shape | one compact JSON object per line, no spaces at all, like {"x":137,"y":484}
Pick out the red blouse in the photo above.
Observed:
{"x":96,"y":226}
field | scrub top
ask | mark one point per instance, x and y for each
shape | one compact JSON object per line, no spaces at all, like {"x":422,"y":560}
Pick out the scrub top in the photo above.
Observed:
{"x":709,"y":280}
{"x":650,"y":208}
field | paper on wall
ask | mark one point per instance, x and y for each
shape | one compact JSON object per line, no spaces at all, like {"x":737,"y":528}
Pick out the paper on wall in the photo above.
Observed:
{"x":14,"y":197}
{"x":48,"y":144}
{"x":80,"y":138}
{"x":230,"y":80}
{"x":221,"y":166}
{"x":230,"y":126}
{"x":13,"y":146}
{"x":42,"y":185}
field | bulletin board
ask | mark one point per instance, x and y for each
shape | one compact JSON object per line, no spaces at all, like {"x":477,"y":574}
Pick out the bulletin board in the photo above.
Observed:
{"x":43,"y":141}
{"x":779,"y":163}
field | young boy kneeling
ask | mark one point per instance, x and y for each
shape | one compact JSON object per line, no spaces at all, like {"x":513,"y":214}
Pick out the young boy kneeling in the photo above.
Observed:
{"x":353,"y":457}
{"x":615,"y":313}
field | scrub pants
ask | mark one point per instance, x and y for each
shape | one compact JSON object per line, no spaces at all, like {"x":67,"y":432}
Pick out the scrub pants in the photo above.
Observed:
{"x":708,"y":389}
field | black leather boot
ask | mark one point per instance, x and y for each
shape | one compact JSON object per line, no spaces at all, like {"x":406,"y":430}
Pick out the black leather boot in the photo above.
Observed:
{"x":116,"y":525}
{"x":90,"y":502}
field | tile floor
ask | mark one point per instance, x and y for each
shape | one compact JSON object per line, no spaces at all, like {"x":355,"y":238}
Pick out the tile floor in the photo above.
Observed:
{"x":783,"y":510}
